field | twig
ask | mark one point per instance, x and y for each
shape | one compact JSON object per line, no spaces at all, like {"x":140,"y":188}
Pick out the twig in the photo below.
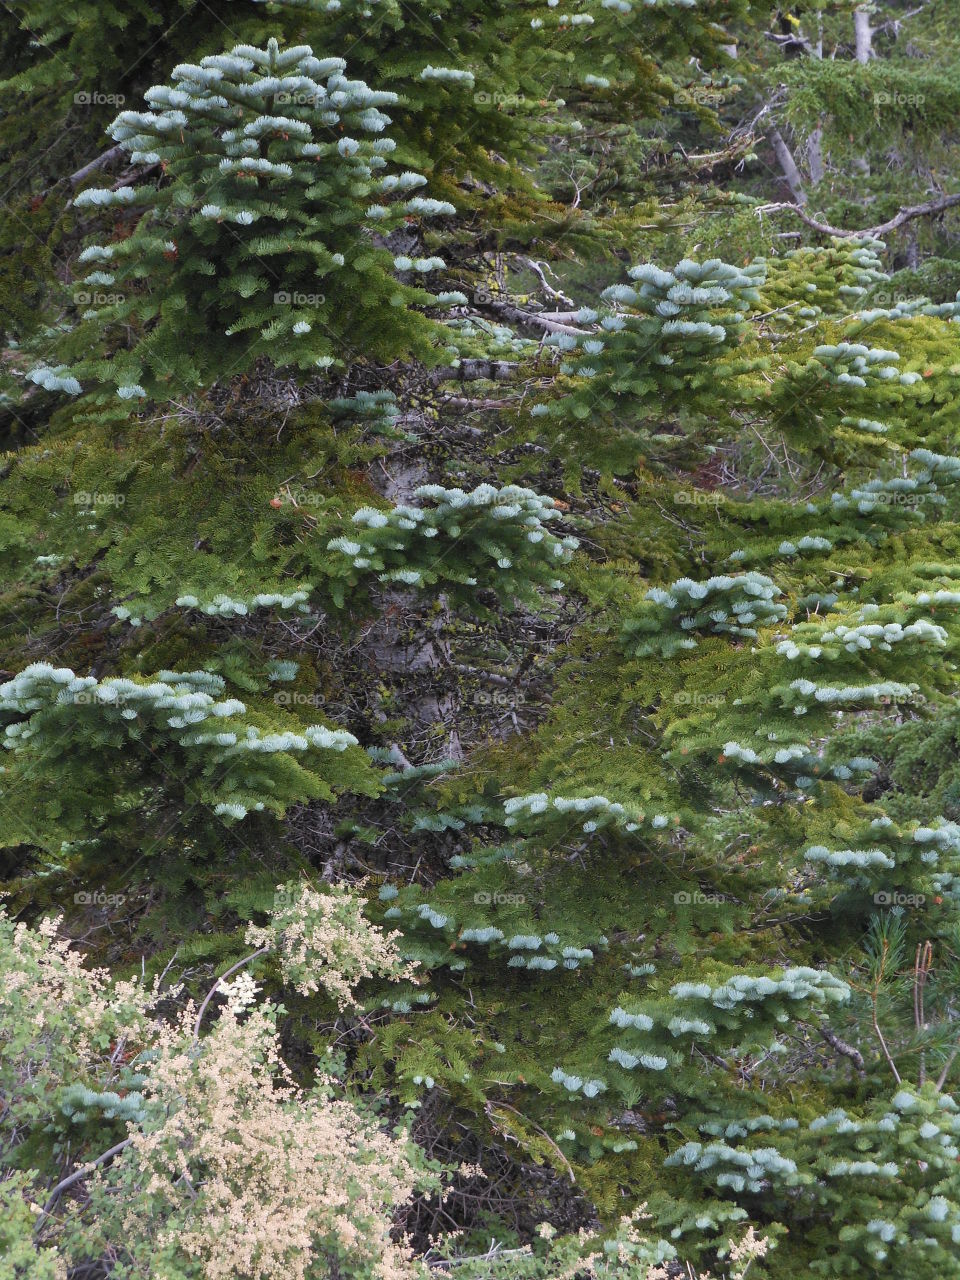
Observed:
{"x":942,"y":1077}
{"x":261,"y":951}
{"x":79,"y":1174}
{"x":921,"y":968}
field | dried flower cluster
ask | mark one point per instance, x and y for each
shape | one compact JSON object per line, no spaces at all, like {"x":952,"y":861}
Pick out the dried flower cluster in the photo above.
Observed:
{"x":247,"y":1175}
{"x":323,"y":941}
{"x":229,"y":1169}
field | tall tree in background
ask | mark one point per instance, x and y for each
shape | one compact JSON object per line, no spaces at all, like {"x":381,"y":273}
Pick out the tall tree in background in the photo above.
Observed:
{"x":859,"y":108}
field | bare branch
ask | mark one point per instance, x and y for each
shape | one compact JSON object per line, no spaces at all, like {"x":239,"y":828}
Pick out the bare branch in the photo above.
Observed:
{"x":529,"y":318}
{"x":788,"y":165}
{"x":262,"y":951}
{"x":79,"y":1174}
{"x":100,"y":162}
{"x":930,"y":209}
{"x":841,"y":1046}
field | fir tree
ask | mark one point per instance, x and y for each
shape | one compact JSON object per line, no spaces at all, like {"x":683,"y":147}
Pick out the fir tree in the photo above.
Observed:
{"x":480,"y":626}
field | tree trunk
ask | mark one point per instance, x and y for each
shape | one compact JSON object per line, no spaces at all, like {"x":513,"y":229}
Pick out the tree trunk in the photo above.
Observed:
{"x":863,"y":35}
{"x":788,"y":165}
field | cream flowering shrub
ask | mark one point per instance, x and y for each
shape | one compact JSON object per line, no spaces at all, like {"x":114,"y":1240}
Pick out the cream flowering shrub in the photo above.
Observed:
{"x":323,"y":941}
{"x":68,"y":1035}
{"x":240,"y":1174}
{"x":217,"y":1166}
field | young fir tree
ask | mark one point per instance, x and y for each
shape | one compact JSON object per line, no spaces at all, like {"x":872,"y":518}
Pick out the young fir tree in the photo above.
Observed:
{"x":606,"y":620}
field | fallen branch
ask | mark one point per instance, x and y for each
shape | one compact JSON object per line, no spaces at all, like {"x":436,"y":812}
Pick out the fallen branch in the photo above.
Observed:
{"x":931,"y":208}
{"x":531,"y":318}
{"x":100,"y":162}
{"x":841,"y":1046}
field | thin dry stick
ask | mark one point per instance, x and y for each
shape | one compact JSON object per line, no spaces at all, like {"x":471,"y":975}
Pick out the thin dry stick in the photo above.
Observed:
{"x":491,"y":1106}
{"x":89,"y":1167}
{"x":876,"y":1024}
{"x":261,"y":951}
{"x":942,"y":1077}
{"x":921,"y":967}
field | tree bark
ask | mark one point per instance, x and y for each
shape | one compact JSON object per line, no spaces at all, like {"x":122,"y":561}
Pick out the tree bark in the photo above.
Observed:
{"x":863,"y":35}
{"x":788,"y":165}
